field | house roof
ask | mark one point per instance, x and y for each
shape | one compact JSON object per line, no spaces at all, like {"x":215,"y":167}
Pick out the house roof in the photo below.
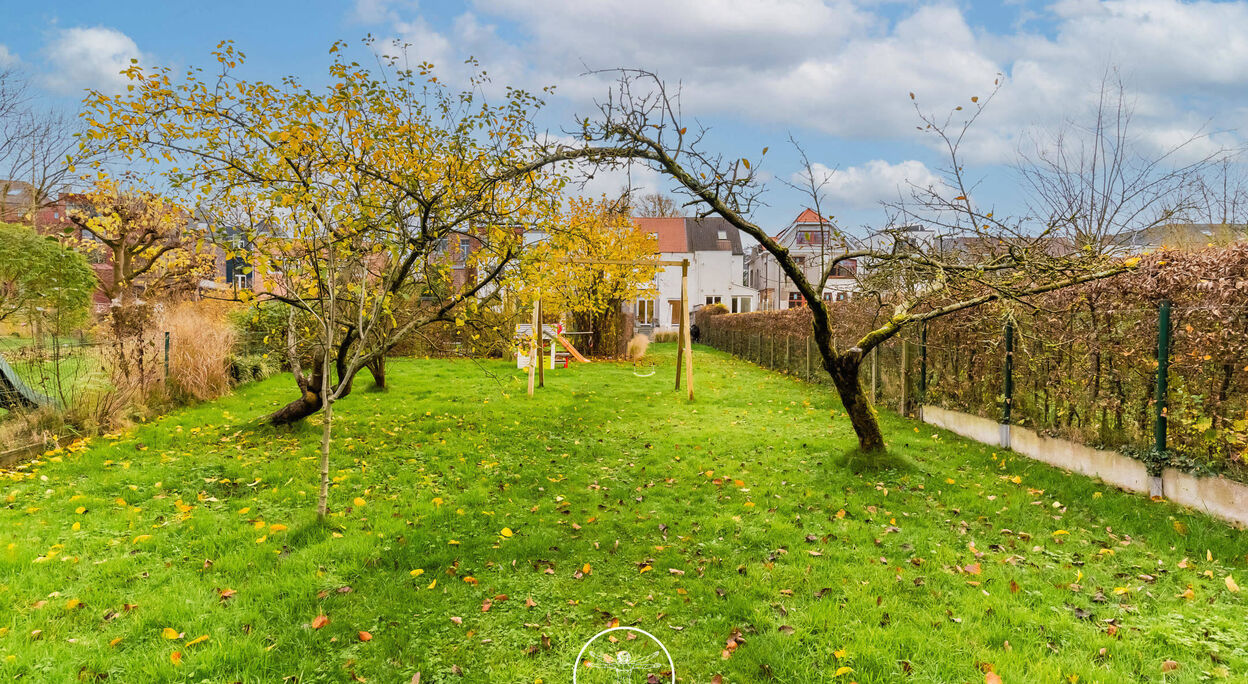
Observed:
{"x":689,"y":234}
{"x":808,"y":216}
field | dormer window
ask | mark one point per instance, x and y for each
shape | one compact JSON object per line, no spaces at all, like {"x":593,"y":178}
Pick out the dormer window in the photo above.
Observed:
{"x":723,"y":235}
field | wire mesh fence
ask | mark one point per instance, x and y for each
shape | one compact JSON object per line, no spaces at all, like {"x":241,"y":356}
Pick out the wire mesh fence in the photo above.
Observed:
{"x":1083,"y":374}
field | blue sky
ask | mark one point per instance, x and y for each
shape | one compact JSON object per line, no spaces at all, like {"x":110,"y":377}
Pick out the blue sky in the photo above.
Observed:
{"x":834,"y":74}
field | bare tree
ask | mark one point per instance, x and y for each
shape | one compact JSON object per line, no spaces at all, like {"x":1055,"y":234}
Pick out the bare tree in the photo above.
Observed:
{"x":34,"y":145}
{"x":653,"y":205}
{"x":966,"y":257}
{"x":1095,"y":183}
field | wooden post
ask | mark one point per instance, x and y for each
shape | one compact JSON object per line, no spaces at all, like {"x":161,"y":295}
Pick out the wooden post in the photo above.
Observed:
{"x":807,"y":359}
{"x":533,"y":351}
{"x":684,"y":307}
{"x":541,"y":350}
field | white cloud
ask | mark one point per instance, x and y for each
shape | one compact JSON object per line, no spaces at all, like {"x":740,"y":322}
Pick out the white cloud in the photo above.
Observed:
{"x":845,"y":68}
{"x":89,"y":58}
{"x":866,"y":186}
{"x":7,"y":58}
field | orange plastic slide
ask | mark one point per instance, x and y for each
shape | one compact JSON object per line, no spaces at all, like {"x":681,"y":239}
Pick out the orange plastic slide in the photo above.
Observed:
{"x":571,"y":350}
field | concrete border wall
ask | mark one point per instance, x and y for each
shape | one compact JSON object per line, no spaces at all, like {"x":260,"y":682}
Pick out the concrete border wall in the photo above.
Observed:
{"x":981,"y":430}
{"x":1215,"y":496}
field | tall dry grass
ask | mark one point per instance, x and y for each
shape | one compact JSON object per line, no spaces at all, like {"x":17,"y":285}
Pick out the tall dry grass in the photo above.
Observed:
{"x":637,"y":347}
{"x":200,"y":342}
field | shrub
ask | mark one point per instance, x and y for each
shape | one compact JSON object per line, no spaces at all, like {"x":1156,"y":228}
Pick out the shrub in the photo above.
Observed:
{"x":667,"y":336}
{"x":251,"y":367}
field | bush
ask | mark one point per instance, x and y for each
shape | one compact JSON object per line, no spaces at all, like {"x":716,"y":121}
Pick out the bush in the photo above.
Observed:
{"x":252,"y":367}
{"x":667,"y":336}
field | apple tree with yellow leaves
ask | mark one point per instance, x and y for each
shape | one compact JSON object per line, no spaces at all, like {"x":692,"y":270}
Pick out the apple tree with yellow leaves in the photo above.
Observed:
{"x":374,"y":207}
{"x":587,"y":266}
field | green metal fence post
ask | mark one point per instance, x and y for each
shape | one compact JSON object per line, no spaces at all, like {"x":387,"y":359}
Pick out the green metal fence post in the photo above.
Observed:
{"x":1163,"y":373}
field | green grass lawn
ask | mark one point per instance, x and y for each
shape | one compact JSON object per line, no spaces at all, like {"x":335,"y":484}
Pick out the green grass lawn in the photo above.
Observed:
{"x":739,"y":514}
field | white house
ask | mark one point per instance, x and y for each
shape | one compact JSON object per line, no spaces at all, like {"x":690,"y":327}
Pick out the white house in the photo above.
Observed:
{"x":716,"y":269}
{"x":813,"y":243}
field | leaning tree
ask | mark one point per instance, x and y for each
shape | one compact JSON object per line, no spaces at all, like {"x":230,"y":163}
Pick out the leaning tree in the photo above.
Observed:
{"x":376,"y":207}
{"x":942,"y":251}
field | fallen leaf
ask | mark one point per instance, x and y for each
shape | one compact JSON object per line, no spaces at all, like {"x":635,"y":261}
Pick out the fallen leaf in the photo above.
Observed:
{"x":176,"y":657}
{"x":365,"y":636}
{"x":1169,"y":666}
{"x":1230,"y":584}
{"x":320,"y":621}
{"x":198,"y":640}
{"x":171,"y":633}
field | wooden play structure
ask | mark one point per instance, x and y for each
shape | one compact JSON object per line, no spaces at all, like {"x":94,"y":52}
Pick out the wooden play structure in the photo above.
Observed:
{"x":684,"y":356}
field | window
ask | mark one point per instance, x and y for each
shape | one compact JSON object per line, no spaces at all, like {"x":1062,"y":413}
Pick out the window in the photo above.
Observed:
{"x":645,"y":310}
{"x":846,"y":269}
{"x":465,"y":246}
{"x":242,"y":281}
{"x":800,"y":261}
{"x":713,"y":299}
{"x":796,"y":301}
{"x":842,"y":296}
{"x":827,"y":297}
{"x":723,"y":235}
{"x":809,"y":237}
{"x":741,"y":304}
{"x":745,"y":274}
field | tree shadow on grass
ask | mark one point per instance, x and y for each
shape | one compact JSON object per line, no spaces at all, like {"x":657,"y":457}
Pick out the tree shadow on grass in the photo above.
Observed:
{"x":861,"y":462}
{"x":310,"y":533}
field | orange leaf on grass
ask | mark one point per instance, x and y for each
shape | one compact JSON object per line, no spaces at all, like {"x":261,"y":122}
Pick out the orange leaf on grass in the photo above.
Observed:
{"x":320,"y":621}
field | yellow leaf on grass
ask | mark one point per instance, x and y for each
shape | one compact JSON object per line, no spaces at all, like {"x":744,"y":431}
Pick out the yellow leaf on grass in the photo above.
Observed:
{"x":1230,"y":584}
{"x":506,"y":532}
{"x":586,"y":569}
{"x":277,"y":528}
{"x":142,"y":538}
{"x":170,"y":633}
{"x":1059,"y":533}
{"x":198,"y":640}
{"x":842,"y":671}
{"x":176,"y":657}
{"x":75,"y":603}
{"x":1121,"y":590}
{"x":417,"y":572}
{"x":437,"y":501}
{"x":432,"y":584}
{"x":114,"y":642}
{"x":320,"y":621}
{"x":646,"y":569}
{"x":840,"y":654}
{"x":80,"y":510}
{"x":359,"y":503}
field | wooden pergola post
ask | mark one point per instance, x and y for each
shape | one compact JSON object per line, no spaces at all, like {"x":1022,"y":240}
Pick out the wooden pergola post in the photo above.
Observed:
{"x":537,"y":340}
{"x":684,"y":354}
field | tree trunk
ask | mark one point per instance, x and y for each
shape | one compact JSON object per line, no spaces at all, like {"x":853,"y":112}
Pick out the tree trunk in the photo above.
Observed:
{"x":322,"y":498}
{"x":844,"y":374}
{"x":378,"y":368}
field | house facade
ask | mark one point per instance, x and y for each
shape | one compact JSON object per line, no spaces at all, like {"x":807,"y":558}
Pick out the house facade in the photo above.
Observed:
{"x":716,"y":269}
{"x":810,"y":241}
